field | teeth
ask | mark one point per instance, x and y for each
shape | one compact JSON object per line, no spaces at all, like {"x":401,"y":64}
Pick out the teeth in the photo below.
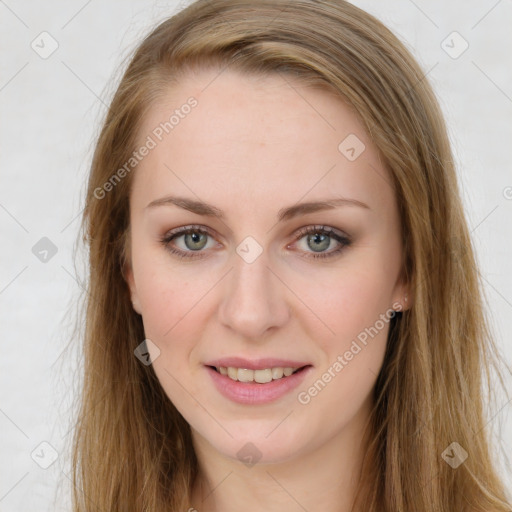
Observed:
{"x":260,"y":376}
{"x":277,"y":373}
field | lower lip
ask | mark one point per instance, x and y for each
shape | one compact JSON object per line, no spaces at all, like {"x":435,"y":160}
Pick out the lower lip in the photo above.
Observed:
{"x":254,"y":393}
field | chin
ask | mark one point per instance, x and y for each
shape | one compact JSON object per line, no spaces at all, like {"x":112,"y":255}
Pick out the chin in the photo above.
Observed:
{"x":259,"y":447}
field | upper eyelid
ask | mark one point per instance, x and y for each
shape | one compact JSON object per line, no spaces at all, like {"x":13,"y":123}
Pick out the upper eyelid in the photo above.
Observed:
{"x":182,"y":230}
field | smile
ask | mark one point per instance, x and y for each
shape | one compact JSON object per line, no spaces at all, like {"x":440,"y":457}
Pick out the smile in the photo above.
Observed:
{"x":260,"y":376}
{"x":256,"y":387}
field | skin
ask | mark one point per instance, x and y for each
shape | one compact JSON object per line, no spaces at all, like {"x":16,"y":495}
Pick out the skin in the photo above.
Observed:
{"x":252,"y":146}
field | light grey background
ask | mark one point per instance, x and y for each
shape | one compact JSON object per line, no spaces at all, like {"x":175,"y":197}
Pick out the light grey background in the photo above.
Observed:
{"x":50,"y":114}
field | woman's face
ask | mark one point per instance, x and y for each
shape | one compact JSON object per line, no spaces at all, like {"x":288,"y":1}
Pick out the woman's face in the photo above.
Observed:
{"x":249,"y":282}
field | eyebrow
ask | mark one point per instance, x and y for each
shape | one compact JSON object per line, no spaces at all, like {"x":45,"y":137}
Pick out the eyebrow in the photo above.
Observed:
{"x":208,"y":210}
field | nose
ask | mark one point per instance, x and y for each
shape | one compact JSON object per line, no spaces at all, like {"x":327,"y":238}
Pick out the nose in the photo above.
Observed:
{"x":254,"y":299}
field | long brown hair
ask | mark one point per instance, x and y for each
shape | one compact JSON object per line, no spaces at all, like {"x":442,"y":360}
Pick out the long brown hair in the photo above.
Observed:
{"x":132,"y":449}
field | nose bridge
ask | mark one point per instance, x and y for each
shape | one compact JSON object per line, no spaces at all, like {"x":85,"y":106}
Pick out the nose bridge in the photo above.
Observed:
{"x":253,"y":301}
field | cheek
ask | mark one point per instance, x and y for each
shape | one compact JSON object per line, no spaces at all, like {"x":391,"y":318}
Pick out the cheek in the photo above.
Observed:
{"x":356,"y":311}
{"x":175,"y":306}
{"x":350,"y":301}
{"x":355,"y":306}
{"x":169,"y":307}
{"x":166,"y":291}
{"x":170,"y":318}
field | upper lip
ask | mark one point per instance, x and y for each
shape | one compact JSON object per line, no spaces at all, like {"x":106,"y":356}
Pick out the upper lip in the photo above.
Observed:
{"x":256,"y":364}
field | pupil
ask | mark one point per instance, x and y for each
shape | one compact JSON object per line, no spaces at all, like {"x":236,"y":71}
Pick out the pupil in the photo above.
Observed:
{"x":195,"y":240}
{"x":317,"y":237}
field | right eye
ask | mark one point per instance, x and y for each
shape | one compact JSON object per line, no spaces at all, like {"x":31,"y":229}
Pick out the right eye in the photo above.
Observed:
{"x":194,"y":239}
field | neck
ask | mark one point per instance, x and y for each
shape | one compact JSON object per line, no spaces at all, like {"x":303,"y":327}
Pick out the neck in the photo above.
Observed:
{"x":322,"y":478}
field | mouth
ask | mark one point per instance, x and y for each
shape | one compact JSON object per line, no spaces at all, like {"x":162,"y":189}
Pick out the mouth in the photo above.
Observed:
{"x":262,"y":376}
{"x":262,"y":384}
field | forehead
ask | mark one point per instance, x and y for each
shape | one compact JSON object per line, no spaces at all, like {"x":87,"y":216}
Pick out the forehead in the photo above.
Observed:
{"x":254,"y":140}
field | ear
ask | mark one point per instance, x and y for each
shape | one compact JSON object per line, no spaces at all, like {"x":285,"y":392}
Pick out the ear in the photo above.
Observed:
{"x":127,"y":272}
{"x":402,"y":296}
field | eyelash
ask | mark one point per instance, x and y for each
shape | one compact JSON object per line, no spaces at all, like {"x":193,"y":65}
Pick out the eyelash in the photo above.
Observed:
{"x":170,"y":236}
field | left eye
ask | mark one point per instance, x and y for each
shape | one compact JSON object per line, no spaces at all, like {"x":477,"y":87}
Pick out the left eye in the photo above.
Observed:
{"x":319,"y":238}
{"x":195,"y":238}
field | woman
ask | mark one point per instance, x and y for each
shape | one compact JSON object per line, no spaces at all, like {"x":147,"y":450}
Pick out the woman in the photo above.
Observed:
{"x":284,"y":310}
